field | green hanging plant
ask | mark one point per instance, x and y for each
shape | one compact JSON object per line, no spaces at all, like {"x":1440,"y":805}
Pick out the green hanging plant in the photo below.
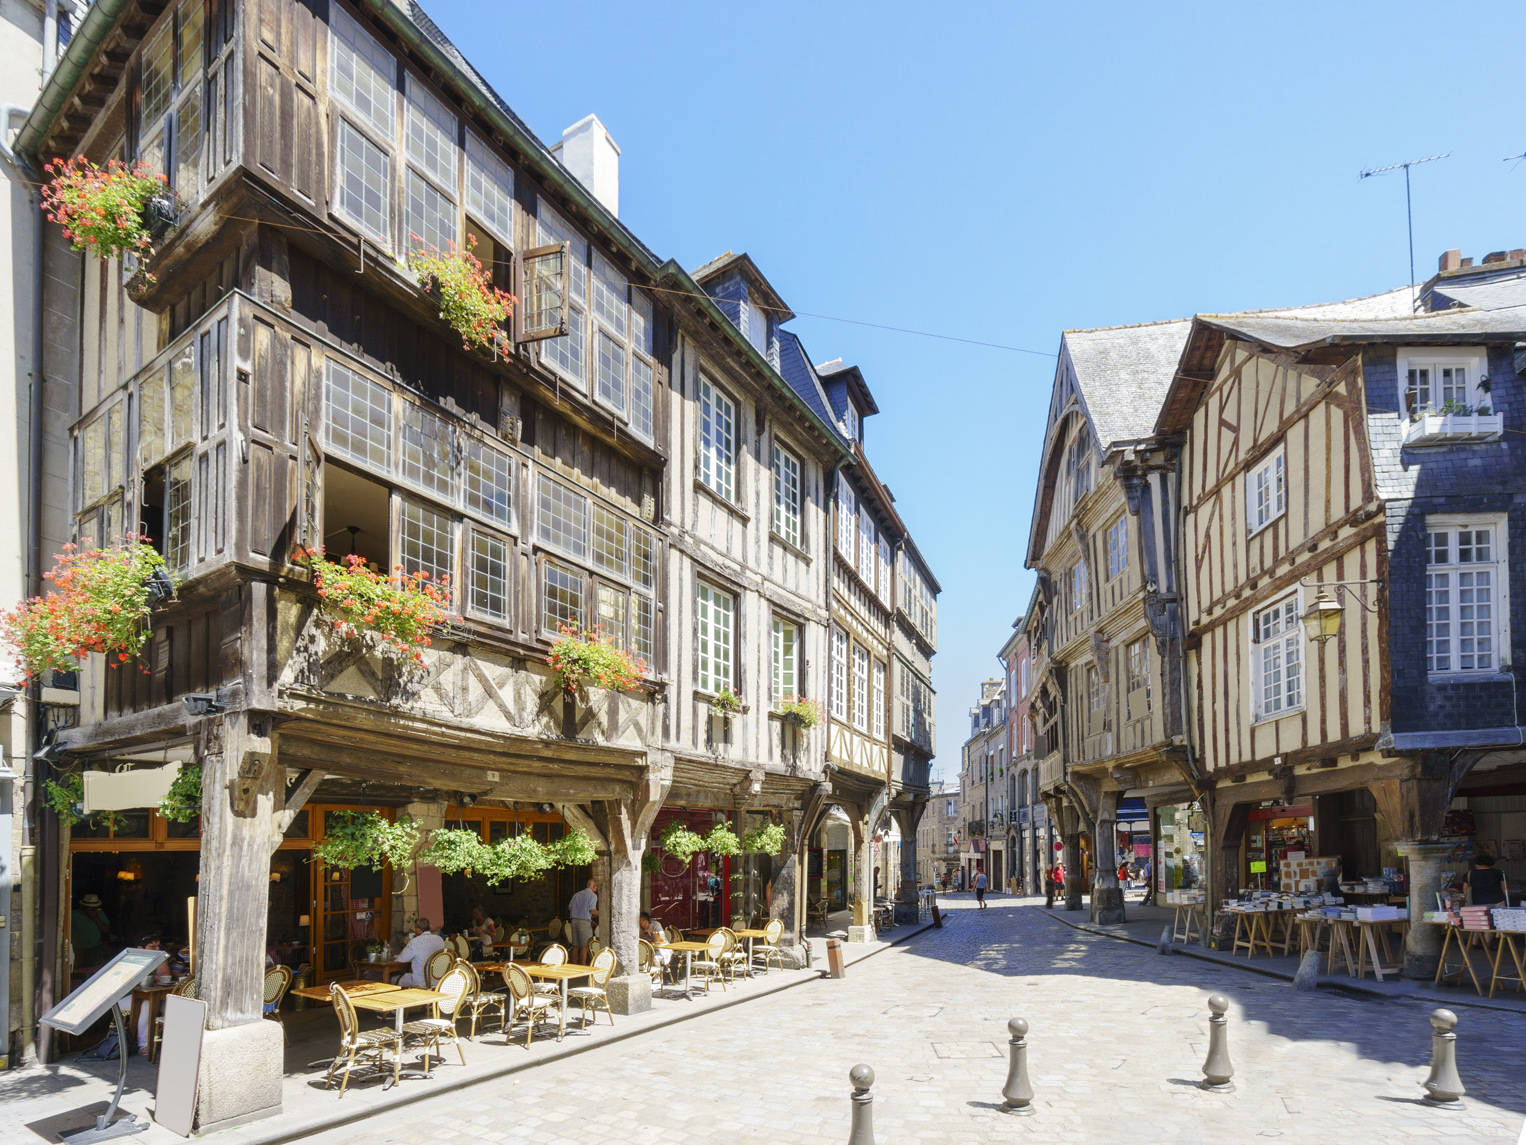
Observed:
{"x":454,"y":850}
{"x":514,"y":857}
{"x":765,"y":840}
{"x":397,"y":841}
{"x":182,"y":803}
{"x":351,"y":839}
{"x":680,"y":842}
{"x":63,"y":798}
{"x":722,"y":840}
{"x":574,"y":849}
{"x":650,"y":863}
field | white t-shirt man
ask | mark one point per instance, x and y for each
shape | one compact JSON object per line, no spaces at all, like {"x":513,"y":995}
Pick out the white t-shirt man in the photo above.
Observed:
{"x":421,"y":946}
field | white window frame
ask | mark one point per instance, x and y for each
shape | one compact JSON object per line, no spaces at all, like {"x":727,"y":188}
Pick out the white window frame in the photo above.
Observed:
{"x":847,"y":519}
{"x":1080,"y":585}
{"x":1498,"y":567}
{"x":1474,"y":359}
{"x":1286,"y":642}
{"x":788,"y":496}
{"x":860,"y":697}
{"x":715,"y":625}
{"x":839,"y":665}
{"x":868,"y":549}
{"x":717,"y":439}
{"x":1269,"y":475}
{"x":786,"y":659}
{"x":878,"y":714}
{"x":1118,"y":546}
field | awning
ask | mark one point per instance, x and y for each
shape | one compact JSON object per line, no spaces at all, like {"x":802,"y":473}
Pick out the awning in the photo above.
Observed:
{"x":1133,"y":810}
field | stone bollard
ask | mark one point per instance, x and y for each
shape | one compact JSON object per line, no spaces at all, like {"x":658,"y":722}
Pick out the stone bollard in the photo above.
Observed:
{"x":1307,"y":975}
{"x":1217,"y":1069}
{"x":862,"y":1132}
{"x":1444,"y":1089}
{"x":1018,"y":1093}
{"x":1164,"y":945}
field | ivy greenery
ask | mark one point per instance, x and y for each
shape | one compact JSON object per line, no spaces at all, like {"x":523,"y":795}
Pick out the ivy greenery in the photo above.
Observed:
{"x":350,"y":840}
{"x":722,"y":840}
{"x":680,"y":842}
{"x":366,"y":839}
{"x":182,"y":803}
{"x":64,"y":796}
{"x":765,"y":840}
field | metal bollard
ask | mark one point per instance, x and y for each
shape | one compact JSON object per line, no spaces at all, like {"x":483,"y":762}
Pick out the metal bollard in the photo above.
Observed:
{"x":1165,"y":943}
{"x":836,"y":968}
{"x":1217,"y":1069}
{"x":1018,"y":1093}
{"x":1444,"y":1089}
{"x":862,"y":1132}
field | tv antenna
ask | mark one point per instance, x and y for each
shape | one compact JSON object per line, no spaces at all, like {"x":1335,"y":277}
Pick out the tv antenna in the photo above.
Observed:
{"x":1409,"y":213}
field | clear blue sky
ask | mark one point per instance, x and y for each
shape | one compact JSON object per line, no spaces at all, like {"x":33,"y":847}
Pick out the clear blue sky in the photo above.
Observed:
{"x":1003,"y":172}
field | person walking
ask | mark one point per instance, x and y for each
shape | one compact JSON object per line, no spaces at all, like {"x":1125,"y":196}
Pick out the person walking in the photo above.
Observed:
{"x":583,"y":916}
{"x":980,"y":889}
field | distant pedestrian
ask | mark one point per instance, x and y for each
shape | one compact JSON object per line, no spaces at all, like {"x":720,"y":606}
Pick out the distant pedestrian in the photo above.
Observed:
{"x":980,"y":889}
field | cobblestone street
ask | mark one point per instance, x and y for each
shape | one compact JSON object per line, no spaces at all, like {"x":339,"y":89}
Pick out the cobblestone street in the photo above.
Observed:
{"x":1118,"y":1035}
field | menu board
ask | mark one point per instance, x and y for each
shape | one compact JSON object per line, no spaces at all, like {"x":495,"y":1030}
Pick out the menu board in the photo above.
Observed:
{"x":103,"y":990}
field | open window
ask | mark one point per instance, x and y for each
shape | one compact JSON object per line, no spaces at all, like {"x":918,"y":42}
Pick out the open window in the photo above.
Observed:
{"x":545,"y":284}
{"x":356,"y":518}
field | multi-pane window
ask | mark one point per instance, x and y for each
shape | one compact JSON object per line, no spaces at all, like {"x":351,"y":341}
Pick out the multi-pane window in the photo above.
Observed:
{"x":860,"y":697}
{"x":850,"y":421}
{"x":1139,"y":669}
{"x":1079,"y":462}
{"x":786,"y":671}
{"x":1266,"y":492}
{"x":568,"y":353}
{"x":839,"y":661}
{"x":426,"y":450}
{"x":884,"y":568}
{"x":489,"y":190}
{"x":363,"y":78}
{"x":643,"y":557}
{"x":488,"y":575}
{"x":561,"y":517}
{"x":1277,"y":659}
{"x":643,"y":398}
{"x":171,"y":117}
{"x":609,"y":612}
{"x":1441,"y":381}
{"x":866,"y":545}
{"x":430,"y":192}
{"x":364,"y":174}
{"x":489,"y":478}
{"x":609,"y":371}
{"x":561,"y":597}
{"x":717,"y":440}
{"x":357,"y":416}
{"x":427,"y":542}
{"x":1117,"y":547}
{"x":847,"y":518}
{"x":1079,"y":584}
{"x":642,"y":610}
{"x":1094,"y":694}
{"x":611,"y":536}
{"x":1464,"y":606}
{"x":878,"y":725}
{"x":362,"y":73}
{"x":177,"y":515}
{"x":787,"y":499}
{"x":917,"y":599}
{"x":715,"y":617}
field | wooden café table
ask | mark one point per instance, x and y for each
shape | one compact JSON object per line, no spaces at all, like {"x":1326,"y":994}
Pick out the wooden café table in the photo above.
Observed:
{"x":353,"y":990}
{"x":750,"y":933}
{"x":564,"y":973}
{"x":397,"y":1002}
{"x":689,"y":949}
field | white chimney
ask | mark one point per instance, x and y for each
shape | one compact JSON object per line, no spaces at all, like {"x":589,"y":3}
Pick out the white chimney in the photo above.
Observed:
{"x":593,"y":159}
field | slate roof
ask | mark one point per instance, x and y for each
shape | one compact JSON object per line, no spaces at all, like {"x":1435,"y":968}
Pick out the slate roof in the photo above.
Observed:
{"x":1291,"y":333}
{"x":796,"y":369}
{"x":1494,"y":294}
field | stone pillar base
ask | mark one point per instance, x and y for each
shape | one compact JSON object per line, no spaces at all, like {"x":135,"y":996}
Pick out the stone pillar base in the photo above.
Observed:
{"x":1421,"y":964}
{"x":240,"y":1079}
{"x":630,"y":993}
{"x":860,"y":934}
{"x":1107,"y":905}
{"x":794,"y":957}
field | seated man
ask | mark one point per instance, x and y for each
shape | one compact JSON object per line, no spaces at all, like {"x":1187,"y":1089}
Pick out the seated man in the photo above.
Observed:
{"x":421,"y":946}
{"x":653,"y":933}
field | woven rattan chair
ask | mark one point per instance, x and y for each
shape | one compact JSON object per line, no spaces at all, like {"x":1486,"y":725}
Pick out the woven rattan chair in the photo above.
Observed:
{"x":765,"y":951}
{"x":594,"y":946}
{"x":648,"y":963}
{"x":525,"y":1004}
{"x":734,"y":957}
{"x":186,"y":989}
{"x":553,"y":955}
{"x":277,"y":982}
{"x":356,"y":1044}
{"x":711,"y":967}
{"x":477,"y":1001}
{"x":458,"y":945}
{"x":440,"y":1027}
{"x":554,"y":929}
{"x":437,"y":966}
{"x":593,"y":996}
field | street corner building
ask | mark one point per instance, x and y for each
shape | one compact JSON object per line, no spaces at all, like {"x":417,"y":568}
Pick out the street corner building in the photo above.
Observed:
{"x":638,"y":452}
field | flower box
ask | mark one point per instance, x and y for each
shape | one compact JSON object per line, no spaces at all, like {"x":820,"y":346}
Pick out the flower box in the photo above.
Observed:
{"x":1443,"y":428}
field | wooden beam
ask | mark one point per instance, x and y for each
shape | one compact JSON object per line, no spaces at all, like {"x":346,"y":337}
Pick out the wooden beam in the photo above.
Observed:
{"x":298,"y":798}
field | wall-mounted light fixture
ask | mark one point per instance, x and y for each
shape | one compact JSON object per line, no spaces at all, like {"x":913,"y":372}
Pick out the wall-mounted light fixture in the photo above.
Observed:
{"x":201,"y":703}
{"x":1322,"y":619}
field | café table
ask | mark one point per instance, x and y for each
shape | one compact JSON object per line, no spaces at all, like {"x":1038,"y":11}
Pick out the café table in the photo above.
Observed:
{"x":563,"y":973}
{"x":397,"y":1002}
{"x":750,"y":933}
{"x":690,"y":949}
{"x":385,"y":969}
{"x":153,"y":998}
{"x":353,"y":990}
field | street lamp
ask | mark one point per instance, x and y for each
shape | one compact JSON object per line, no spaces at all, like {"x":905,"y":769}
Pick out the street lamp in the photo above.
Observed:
{"x":1322,"y":619}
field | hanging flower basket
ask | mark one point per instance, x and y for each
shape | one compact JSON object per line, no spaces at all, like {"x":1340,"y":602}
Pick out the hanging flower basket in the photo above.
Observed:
{"x":108,"y":211}
{"x":804,"y":714}
{"x":401,"y":608}
{"x":726,"y":704}
{"x":765,"y":840}
{"x":722,"y":840}
{"x":593,"y":658}
{"x":182,"y":803}
{"x":680,"y":842}
{"x":101,"y":604}
{"x":469,"y":302}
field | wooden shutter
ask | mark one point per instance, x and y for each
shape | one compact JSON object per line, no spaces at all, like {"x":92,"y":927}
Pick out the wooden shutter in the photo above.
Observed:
{"x":545,"y":283}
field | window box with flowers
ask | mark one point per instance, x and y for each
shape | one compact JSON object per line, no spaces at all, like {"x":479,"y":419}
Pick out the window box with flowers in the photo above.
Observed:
{"x":725,"y":704}
{"x":803,"y":713}
{"x":456,"y":281}
{"x":1453,"y":422}
{"x":100,"y":603}
{"x":109,"y":211}
{"x":588,"y":657}
{"x":398,"y":609}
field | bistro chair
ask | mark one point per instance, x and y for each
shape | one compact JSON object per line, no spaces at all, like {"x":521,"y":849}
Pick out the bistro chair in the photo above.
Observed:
{"x":186,"y":989}
{"x":437,"y":966}
{"x":477,"y":1000}
{"x":525,"y":1003}
{"x":711,"y":966}
{"x":765,"y":951}
{"x":459,"y":946}
{"x":554,"y":929}
{"x":594,"y":996}
{"x":277,"y":982}
{"x":734,"y":957}
{"x":648,"y":963}
{"x":441,"y":1025}
{"x":356,"y":1044}
{"x":553,"y":955}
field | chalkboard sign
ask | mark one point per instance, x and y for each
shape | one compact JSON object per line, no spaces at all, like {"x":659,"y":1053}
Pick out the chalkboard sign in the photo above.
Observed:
{"x":103,"y":990}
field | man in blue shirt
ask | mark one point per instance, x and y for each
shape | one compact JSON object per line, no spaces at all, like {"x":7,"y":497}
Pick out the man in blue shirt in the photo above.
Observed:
{"x":582,"y":914}
{"x":980,"y":889}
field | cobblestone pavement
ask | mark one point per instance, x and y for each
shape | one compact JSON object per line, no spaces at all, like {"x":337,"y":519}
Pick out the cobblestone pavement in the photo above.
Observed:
{"x":1118,"y":1035}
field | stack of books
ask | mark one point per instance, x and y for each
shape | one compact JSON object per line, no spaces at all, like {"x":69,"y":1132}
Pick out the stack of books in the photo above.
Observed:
{"x":1476,"y":918}
{"x":1377,"y":913}
{"x":1509,"y":918}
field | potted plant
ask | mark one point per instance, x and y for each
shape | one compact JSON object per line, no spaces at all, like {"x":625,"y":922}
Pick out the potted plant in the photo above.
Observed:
{"x":803,"y":713}
{"x":468,"y":301}
{"x":722,"y":840}
{"x":680,"y":842}
{"x":375,"y":951}
{"x":401,"y":608}
{"x":589,"y":656}
{"x":111,"y":210}
{"x":100,"y":604}
{"x":726,"y":703}
{"x":182,"y":803}
{"x":765,"y":840}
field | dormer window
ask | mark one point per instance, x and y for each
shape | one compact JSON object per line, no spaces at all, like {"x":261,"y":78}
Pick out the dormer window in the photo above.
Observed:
{"x":757,"y":325}
{"x":1444,"y":395}
{"x":850,"y":421}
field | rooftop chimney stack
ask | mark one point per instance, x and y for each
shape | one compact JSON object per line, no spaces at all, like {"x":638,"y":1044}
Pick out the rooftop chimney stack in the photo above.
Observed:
{"x":1449,"y":260}
{"x":593,"y":159}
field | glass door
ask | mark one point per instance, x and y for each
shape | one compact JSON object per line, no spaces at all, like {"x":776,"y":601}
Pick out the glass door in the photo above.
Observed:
{"x":352,"y":909}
